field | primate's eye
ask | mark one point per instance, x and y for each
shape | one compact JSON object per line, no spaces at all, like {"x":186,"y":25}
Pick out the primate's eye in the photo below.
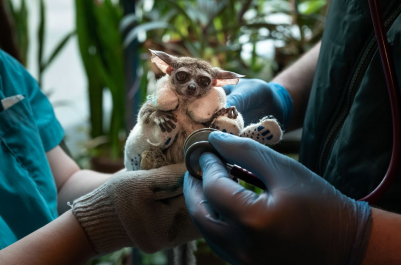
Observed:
{"x":204,"y":81}
{"x":181,"y":76}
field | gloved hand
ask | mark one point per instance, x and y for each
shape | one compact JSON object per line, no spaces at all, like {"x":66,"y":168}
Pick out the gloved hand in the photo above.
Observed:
{"x":143,"y":208}
{"x":255,"y":99}
{"x":300,"y":219}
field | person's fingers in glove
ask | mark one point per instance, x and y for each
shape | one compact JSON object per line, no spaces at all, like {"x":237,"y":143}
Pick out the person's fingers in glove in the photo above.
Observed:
{"x":299,"y":219}
{"x":143,"y":208}
{"x":205,"y":218}
{"x":255,"y":98}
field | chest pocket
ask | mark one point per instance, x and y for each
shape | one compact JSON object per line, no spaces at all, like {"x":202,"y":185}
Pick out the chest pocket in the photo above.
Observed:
{"x":28,"y":195}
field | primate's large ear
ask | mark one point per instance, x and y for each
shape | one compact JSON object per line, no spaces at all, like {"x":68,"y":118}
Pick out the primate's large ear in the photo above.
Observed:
{"x":163,"y":60}
{"x":222,"y":78}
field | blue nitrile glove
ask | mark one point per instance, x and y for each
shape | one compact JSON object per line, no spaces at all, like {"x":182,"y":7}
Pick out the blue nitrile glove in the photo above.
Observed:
{"x":300,"y":219}
{"x":255,"y":99}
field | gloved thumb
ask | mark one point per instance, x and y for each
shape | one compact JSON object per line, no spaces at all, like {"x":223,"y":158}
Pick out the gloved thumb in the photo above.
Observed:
{"x":233,"y":98}
{"x":262,"y":161}
{"x":218,"y":188}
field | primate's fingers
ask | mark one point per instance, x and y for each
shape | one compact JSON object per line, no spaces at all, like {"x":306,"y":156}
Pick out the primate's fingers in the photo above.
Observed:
{"x":171,"y":116}
{"x":172,"y":125}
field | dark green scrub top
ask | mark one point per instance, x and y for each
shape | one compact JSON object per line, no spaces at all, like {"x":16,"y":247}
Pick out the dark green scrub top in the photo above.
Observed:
{"x":347,"y":133}
{"x":28,"y":129}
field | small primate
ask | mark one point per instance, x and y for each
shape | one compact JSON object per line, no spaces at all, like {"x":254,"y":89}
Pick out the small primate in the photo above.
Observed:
{"x":189,"y":97}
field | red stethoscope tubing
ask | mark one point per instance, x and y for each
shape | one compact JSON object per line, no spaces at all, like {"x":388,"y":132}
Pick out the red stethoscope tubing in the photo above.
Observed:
{"x":392,"y":89}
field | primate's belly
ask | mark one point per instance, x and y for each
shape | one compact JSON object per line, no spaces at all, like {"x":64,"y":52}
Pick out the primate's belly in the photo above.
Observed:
{"x":175,"y":153}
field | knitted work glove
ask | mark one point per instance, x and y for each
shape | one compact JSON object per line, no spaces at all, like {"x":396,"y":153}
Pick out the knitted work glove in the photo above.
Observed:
{"x":143,"y":208}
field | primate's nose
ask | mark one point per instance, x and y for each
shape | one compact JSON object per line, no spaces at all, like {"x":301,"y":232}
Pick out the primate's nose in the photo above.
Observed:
{"x":191,"y":88}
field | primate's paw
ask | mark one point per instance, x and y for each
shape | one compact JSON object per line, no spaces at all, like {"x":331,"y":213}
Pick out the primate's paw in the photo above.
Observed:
{"x":227,"y":124}
{"x":231,"y":112}
{"x":165,"y":120}
{"x":266,"y":131}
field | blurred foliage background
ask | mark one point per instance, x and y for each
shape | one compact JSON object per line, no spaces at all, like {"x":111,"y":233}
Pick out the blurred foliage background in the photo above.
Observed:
{"x":252,"y":37}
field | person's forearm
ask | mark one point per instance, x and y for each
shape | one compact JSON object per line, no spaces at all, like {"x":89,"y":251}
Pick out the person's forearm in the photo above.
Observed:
{"x":71,"y":182}
{"x":297,"y":80}
{"x":80,"y":183}
{"x":385,"y":240}
{"x":62,"y":241}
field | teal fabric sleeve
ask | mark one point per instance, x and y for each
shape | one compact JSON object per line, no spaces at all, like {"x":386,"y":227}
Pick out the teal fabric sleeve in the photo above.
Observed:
{"x":287,"y":102}
{"x":19,"y":81}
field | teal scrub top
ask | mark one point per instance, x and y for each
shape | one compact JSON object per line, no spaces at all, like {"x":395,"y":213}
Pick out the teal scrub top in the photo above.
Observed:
{"x":28,"y":129}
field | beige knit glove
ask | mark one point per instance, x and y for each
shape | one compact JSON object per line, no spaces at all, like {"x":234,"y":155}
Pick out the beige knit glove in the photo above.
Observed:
{"x":143,"y":208}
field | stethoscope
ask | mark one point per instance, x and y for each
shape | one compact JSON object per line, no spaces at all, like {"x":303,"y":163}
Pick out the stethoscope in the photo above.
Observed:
{"x":389,"y":73}
{"x":197,"y":143}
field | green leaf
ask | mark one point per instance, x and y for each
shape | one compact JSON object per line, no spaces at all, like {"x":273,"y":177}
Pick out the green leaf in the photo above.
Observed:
{"x":169,"y":16}
{"x":101,"y":48}
{"x":145,"y":27}
{"x":85,"y":27}
{"x":127,"y":21}
{"x":190,"y":20}
{"x":178,"y":49}
{"x":20,"y":19}
{"x":192,"y":48}
{"x":220,"y":8}
{"x":11,"y":7}
{"x":57,"y":50}
{"x":23,"y":32}
{"x":254,"y":56}
{"x":41,"y":36}
{"x":310,"y":7}
{"x":219,"y":26}
{"x":236,"y":28}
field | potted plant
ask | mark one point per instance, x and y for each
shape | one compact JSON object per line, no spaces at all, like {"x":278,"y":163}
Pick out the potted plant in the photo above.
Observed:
{"x":101,"y":49}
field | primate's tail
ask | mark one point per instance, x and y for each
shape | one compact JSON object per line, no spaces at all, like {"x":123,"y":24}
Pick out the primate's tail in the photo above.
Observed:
{"x":184,"y":254}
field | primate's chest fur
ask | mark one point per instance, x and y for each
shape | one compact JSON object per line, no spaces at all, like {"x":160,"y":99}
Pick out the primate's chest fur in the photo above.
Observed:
{"x":175,"y":153}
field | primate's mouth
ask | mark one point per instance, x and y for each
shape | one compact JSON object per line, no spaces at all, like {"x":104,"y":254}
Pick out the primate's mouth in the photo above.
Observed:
{"x":188,"y":93}
{"x":189,"y":96}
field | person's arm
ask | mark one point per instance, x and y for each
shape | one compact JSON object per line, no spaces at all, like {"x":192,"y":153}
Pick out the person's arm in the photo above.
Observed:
{"x":62,"y":241}
{"x":71,"y":181}
{"x":129,"y":209}
{"x":297,"y":80}
{"x":385,"y":241}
